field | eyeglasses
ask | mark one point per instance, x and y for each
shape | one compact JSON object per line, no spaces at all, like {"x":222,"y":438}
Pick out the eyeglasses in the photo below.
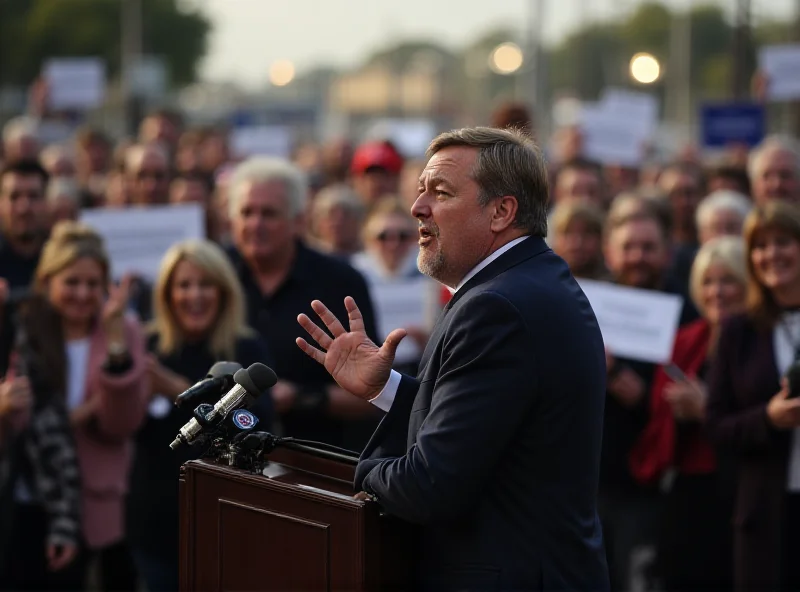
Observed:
{"x":398,"y":235}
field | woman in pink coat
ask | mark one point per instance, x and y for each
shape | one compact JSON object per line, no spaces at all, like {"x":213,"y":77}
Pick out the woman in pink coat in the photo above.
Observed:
{"x":79,"y":347}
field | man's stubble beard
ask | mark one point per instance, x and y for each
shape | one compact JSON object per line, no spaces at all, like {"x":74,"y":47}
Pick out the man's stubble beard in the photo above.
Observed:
{"x":432,"y":264}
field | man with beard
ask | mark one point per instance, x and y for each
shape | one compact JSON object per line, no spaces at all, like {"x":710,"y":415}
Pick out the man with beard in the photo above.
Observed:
{"x":494,"y":448}
{"x":23,"y":220}
{"x":23,"y":230}
{"x":637,"y":254}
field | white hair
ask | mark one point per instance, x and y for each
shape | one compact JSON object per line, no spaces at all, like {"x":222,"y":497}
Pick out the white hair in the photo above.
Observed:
{"x":20,"y":127}
{"x":263,"y":169}
{"x":722,"y":200}
{"x":727,"y":250}
{"x":770,"y":144}
{"x":135,"y":154}
{"x":60,"y":187}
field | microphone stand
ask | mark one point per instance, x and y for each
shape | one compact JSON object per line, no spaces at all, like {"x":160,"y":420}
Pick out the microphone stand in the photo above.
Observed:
{"x":250,"y":450}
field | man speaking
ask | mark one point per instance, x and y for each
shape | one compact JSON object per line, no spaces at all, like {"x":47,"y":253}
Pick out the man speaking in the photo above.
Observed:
{"x":494,"y":447}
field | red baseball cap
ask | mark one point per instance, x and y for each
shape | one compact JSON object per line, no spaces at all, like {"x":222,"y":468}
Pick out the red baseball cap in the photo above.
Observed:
{"x":376,"y":155}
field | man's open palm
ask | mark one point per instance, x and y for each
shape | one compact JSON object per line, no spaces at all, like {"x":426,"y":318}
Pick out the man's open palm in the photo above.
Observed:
{"x":352,"y":359}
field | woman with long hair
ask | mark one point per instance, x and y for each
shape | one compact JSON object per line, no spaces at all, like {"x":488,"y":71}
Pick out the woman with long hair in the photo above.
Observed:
{"x":694,"y":541}
{"x":81,"y":349}
{"x":750,"y":413}
{"x":199,"y":319}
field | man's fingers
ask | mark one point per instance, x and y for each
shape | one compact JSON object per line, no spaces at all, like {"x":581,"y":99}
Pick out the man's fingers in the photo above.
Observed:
{"x":317,"y":334}
{"x":392,"y":341}
{"x":330,"y":320}
{"x":354,"y":315}
{"x":312,"y":351}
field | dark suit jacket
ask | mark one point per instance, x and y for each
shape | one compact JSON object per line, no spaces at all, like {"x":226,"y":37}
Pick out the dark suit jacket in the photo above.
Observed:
{"x":742,"y":379}
{"x":495,"y":448}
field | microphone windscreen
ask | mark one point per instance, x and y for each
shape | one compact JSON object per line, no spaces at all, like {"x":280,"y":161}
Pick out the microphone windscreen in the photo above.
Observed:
{"x":223,"y":369}
{"x":255,"y":379}
{"x":263,"y":377}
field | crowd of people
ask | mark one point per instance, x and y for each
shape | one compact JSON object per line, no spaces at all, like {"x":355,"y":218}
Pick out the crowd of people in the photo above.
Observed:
{"x":700,"y":478}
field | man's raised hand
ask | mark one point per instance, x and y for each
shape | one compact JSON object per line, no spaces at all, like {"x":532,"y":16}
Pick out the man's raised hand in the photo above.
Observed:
{"x":352,"y":359}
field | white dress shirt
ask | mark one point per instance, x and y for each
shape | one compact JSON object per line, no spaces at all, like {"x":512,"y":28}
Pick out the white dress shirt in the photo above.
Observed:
{"x":386,"y":397}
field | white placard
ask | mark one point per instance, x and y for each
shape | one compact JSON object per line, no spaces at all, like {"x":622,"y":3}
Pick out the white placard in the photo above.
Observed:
{"x":410,"y":136}
{"x":640,"y":109}
{"x":261,"y":140}
{"x":781,"y":65}
{"x":75,"y":83}
{"x":401,"y":305}
{"x":636,"y":324}
{"x":137,"y":238}
{"x":612,"y":139}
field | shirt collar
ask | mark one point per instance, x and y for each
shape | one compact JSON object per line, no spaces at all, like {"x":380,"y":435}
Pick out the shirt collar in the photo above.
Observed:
{"x":506,"y":247}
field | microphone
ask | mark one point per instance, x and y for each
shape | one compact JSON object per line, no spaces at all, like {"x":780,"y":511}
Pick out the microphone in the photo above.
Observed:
{"x":249,"y":384}
{"x":218,"y":380}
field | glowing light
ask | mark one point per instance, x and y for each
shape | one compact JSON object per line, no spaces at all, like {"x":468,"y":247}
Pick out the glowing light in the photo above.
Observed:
{"x":281,"y":73}
{"x":645,"y":68}
{"x":506,"y":58}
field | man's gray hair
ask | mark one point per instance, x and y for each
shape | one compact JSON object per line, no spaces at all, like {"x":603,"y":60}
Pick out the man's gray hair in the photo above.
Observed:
{"x":508,"y":163}
{"x":722,"y":200}
{"x":263,"y":169}
{"x":773,"y":143}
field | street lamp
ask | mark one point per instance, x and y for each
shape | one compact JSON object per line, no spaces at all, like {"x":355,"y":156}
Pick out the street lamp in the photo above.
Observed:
{"x":645,"y":68}
{"x":506,"y":58}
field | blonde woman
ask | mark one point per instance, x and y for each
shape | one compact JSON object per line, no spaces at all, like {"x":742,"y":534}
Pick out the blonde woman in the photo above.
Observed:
{"x":198,"y":320}
{"x":694,"y":546}
{"x":75,"y":345}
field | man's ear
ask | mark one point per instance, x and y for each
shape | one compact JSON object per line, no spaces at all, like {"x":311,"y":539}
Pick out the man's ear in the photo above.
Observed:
{"x":505,"y":213}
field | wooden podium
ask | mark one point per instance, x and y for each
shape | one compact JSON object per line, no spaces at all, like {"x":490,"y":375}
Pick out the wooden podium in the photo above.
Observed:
{"x":295,"y":526}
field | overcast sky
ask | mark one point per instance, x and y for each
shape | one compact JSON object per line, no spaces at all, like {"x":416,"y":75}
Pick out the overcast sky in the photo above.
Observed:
{"x":250,"y":34}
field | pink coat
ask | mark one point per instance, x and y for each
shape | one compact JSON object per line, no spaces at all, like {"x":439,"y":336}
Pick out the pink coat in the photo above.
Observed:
{"x":104,"y":444}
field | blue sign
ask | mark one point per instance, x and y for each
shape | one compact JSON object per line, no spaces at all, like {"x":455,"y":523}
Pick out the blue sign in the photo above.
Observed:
{"x":724,"y":124}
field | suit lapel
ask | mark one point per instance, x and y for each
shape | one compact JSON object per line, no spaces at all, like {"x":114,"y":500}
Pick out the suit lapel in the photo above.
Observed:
{"x":433,"y":339}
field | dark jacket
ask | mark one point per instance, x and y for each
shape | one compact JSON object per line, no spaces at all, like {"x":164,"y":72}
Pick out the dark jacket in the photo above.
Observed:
{"x":37,"y":448}
{"x":495,"y":448}
{"x":742,"y":380}
{"x":153,"y":501}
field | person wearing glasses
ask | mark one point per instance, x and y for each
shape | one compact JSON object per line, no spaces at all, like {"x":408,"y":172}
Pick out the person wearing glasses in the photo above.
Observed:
{"x":402,"y":296}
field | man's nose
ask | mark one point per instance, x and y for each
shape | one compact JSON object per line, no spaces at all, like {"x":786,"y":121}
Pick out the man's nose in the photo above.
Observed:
{"x":421,"y":207}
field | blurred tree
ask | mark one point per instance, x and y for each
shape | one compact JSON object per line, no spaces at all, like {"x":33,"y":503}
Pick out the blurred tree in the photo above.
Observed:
{"x":588,"y":60}
{"x":775,"y":32}
{"x":598,"y":55}
{"x":480,"y":86}
{"x":32,"y":31}
{"x":405,"y":55}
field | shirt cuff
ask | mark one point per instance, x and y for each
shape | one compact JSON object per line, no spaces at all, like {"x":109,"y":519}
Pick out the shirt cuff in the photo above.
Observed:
{"x":386,"y":397}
